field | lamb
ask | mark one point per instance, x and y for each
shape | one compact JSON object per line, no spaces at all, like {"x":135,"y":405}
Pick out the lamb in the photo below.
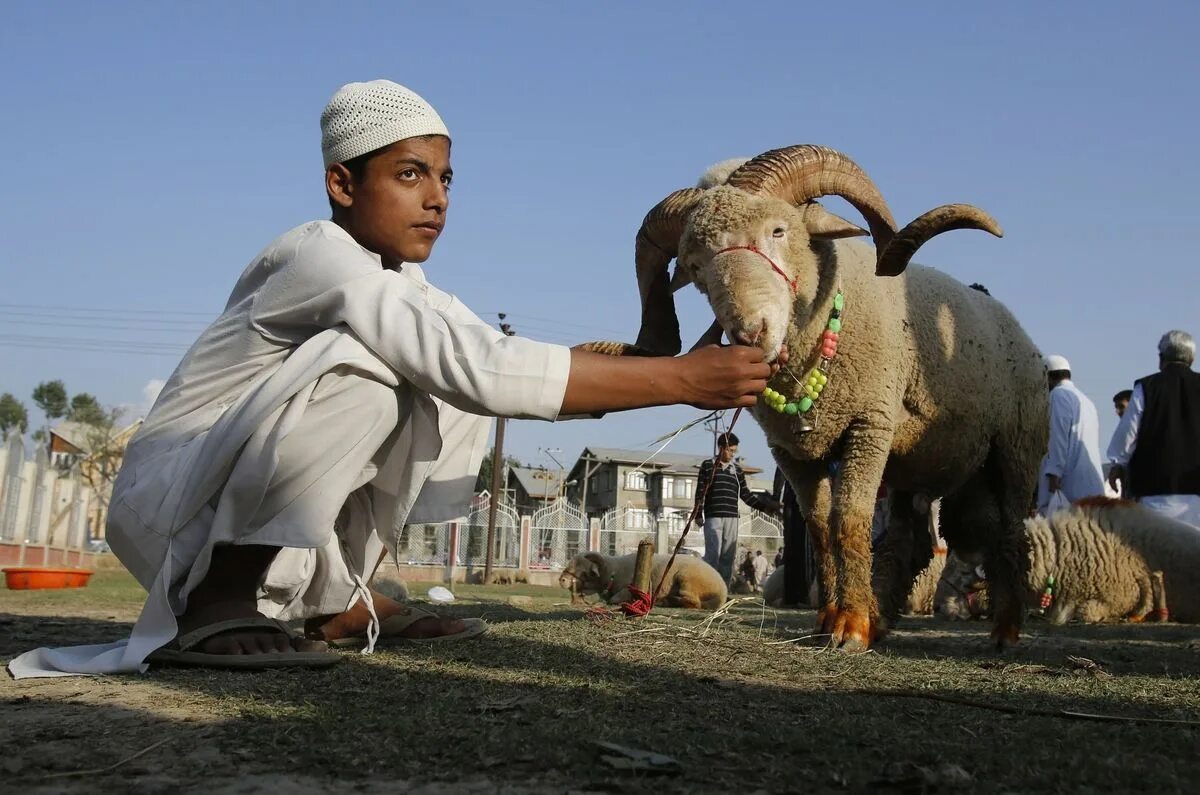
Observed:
{"x":1112,"y":560}
{"x":692,"y":582}
{"x":933,"y":383}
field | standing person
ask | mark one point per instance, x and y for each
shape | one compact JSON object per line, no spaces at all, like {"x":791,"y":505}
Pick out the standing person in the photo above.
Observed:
{"x":761,"y":565}
{"x":1072,"y":465}
{"x":779,"y":557}
{"x":721,"y":487}
{"x":1155,"y":452}
{"x":1121,"y":401}
{"x":338,"y":396}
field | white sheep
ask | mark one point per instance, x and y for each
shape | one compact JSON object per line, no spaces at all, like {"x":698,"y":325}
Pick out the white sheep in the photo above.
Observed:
{"x":933,"y":382}
{"x":1113,"y":560}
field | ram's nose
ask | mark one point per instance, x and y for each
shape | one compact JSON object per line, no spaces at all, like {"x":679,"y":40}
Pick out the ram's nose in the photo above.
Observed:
{"x":749,"y":334}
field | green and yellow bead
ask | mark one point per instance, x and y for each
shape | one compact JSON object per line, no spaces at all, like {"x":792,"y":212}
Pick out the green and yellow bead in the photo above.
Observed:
{"x":815,"y":381}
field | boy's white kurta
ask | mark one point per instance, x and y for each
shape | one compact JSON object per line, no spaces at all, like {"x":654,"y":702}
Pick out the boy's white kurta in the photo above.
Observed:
{"x":1074,"y":454}
{"x":314,"y":319}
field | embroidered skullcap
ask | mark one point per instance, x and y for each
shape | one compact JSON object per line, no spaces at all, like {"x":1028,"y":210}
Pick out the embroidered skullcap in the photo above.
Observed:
{"x":363,"y":117}
{"x":1054,"y":363}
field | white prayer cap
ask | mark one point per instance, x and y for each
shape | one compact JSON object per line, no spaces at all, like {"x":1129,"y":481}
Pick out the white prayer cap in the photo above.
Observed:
{"x":363,"y":117}
{"x":1054,"y":363}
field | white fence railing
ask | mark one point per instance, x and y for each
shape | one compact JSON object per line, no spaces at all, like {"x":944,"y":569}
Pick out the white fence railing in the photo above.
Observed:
{"x":40,"y":508}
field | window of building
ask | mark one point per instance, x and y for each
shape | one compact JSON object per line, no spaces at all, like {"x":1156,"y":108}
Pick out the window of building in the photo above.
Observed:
{"x":684,"y":488}
{"x":668,"y":487}
{"x":638,"y":519}
{"x":635,"y":480}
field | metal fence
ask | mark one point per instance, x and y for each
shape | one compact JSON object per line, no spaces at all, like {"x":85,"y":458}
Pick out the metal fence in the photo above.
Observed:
{"x":472,"y":534}
{"x":40,"y":507}
{"x":559,"y":532}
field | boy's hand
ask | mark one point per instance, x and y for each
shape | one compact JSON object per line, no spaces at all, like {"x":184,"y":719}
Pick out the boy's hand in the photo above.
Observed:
{"x":716,"y":377}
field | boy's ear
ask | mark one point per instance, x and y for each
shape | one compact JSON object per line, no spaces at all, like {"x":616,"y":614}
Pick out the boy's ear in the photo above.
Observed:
{"x":339,"y":184}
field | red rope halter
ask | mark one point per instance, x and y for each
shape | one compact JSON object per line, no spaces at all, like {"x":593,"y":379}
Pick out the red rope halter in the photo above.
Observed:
{"x":790,"y":282}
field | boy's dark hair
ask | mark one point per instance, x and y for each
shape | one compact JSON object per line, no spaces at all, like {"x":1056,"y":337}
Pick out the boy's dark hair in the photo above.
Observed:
{"x":727,"y":439}
{"x":1124,"y":394}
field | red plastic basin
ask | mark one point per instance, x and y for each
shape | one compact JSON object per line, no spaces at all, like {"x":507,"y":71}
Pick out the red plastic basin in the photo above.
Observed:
{"x":27,"y":579}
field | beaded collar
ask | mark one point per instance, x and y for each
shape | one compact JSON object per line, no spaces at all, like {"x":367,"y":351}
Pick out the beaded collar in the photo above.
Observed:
{"x":1047,"y":595}
{"x":818,"y":375}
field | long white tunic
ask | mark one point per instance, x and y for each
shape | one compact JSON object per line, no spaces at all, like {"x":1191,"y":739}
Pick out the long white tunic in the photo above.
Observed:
{"x":1184,"y":507}
{"x":197,"y":473}
{"x":1074,"y":454}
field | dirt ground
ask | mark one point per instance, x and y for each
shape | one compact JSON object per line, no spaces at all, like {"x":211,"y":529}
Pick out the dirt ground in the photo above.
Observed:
{"x":741,"y":702}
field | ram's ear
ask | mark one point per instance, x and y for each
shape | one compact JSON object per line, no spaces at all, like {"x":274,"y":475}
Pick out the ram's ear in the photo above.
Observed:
{"x":824,"y":225}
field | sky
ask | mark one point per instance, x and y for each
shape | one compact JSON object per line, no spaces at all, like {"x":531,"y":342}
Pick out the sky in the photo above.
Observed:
{"x":151,"y":150}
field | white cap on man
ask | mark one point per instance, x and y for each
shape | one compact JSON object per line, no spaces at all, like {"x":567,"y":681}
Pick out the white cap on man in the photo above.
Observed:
{"x":363,"y":117}
{"x":1056,"y":363}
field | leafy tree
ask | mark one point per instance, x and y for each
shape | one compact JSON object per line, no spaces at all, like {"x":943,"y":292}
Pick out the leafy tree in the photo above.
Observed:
{"x":484,"y":481}
{"x":87,"y":410}
{"x":12,"y":415}
{"x":51,"y":398}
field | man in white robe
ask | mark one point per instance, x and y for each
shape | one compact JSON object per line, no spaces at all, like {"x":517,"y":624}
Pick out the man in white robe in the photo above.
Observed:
{"x":338,"y":397}
{"x":1071,"y":467}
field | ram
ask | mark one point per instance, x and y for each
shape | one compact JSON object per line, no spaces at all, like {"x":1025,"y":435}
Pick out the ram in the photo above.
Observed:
{"x":891,"y":370}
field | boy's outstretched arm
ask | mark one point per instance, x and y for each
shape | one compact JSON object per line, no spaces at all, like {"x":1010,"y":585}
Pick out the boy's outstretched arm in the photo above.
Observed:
{"x":709,"y":378}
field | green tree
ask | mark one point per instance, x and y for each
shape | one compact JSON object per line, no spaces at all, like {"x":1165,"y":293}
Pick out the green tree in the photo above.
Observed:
{"x":51,"y":398}
{"x":484,"y":481}
{"x":103,"y":461}
{"x":12,"y":415}
{"x":87,"y":410}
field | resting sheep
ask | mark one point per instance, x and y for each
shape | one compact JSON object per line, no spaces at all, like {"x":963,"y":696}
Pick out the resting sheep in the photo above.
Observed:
{"x":1113,"y":560}
{"x":691,"y":583}
{"x":934,"y":384}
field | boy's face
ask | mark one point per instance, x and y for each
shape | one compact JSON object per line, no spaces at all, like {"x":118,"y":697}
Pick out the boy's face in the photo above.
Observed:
{"x":399,"y":206}
{"x":727,"y":453}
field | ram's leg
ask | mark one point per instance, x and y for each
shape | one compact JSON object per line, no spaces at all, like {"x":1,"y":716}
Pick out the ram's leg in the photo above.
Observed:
{"x":1159,"y":589}
{"x":903,"y":553}
{"x":814,"y":489}
{"x":1012,"y":480}
{"x":863,"y":461}
{"x":1145,"y":602}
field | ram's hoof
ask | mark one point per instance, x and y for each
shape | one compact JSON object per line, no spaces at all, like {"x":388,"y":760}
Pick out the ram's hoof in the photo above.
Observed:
{"x":851,"y":631}
{"x":1006,"y":633}
{"x":826,"y":619}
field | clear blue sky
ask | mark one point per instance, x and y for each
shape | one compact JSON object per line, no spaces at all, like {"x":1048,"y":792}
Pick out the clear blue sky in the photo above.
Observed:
{"x":151,"y":149}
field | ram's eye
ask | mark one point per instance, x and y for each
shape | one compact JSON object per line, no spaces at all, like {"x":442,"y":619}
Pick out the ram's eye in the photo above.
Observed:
{"x":779,"y":232}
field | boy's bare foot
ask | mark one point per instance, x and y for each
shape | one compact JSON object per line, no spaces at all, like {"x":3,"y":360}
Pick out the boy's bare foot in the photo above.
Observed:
{"x":353,"y":622}
{"x":229,"y":591}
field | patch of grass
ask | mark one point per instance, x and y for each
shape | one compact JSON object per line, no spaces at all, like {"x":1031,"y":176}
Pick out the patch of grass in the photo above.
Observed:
{"x":743,"y":700}
{"x":105,"y":589}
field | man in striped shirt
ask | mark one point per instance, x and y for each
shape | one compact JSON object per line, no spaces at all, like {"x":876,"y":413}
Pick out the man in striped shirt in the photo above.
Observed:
{"x":719,"y":511}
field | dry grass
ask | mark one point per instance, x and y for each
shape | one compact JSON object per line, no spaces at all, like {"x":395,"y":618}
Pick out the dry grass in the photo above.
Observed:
{"x":743,"y":698}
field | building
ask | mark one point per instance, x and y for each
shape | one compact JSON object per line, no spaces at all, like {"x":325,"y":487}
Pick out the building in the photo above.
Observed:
{"x":530,"y":488}
{"x":97,"y":451}
{"x":662,"y":489}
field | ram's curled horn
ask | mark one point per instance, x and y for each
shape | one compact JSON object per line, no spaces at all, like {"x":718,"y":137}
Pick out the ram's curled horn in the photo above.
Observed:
{"x":657,"y":244}
{"x":614,"y":348}
{"x":800,"y":173}
{"x":893,"y":259}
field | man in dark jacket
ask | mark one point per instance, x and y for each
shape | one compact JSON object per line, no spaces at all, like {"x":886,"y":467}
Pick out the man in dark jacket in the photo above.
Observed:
{"x":721,"y":487}
{"x":1155,"y":451}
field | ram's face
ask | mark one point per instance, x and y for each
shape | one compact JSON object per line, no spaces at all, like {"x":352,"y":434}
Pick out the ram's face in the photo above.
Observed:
{"x":586,"y":572}
{"x":746,"y":254}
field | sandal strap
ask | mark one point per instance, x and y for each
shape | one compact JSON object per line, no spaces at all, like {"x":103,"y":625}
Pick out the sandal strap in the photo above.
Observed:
{"x":394,"y":625}
{"x":190,"y":640}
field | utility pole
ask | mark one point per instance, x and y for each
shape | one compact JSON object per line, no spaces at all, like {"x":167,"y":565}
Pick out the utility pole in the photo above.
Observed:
{"x":497,"y":466}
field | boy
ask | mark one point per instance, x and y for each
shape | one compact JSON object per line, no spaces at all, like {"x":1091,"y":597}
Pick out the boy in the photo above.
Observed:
{"x":338,"y":397}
